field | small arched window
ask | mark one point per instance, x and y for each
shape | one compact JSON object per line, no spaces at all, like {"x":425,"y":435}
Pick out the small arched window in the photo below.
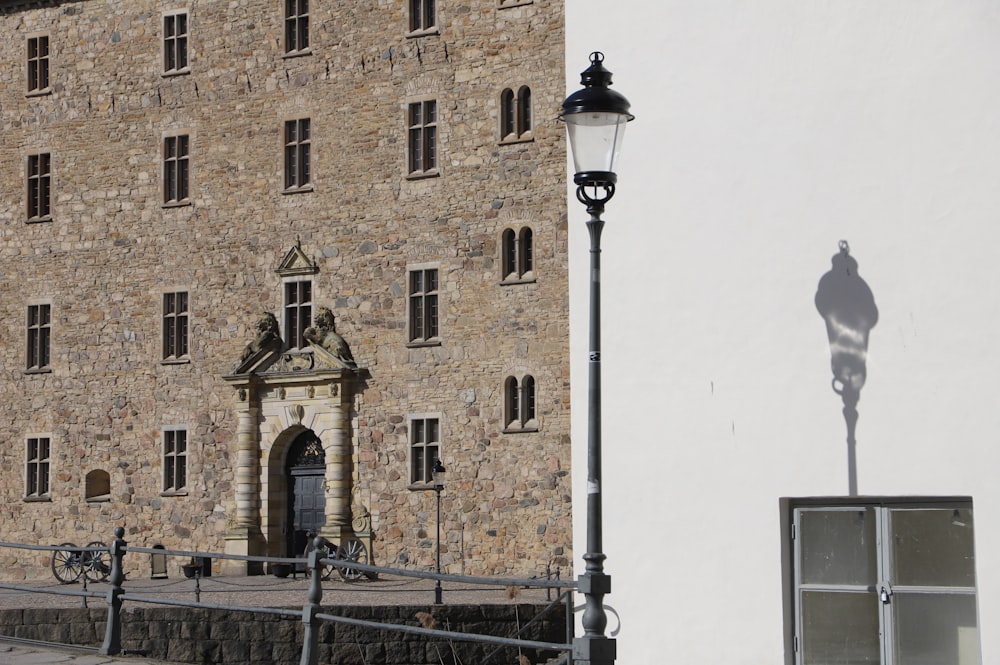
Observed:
{"x":97,"y":486}
{"x":523,"y":110}
{"x":518,"y":254}
{"x":515,"y":114}
{"x":508,"y":114}
{"x":519,"y":403}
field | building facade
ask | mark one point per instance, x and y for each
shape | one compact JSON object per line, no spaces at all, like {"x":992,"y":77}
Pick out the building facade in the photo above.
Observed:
{"x":800,"y":304}
{"x":266,"y":262}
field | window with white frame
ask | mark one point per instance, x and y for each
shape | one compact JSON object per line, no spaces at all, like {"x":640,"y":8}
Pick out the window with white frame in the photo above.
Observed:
{"x":38,"y":450}
{"x":176,"y":169}
{"x":174,"y":460}
{"x":39,"y":336}
{"x":423,"y":305}
{"x":425,"y":447}
{"x":422,"y":137}
{"x":175,"y":325}
{"x":298,"y":312}
{"x":296,"y":26}
{"x":39,"y":187}
{"x":422,"y":15}
{"x":890,"y":582}
{"x":517,"y":254}
{"x":175,"y":43}
{"x":298,"y":145}
{"x":38,"y":64}
{"x":515,"y":114}
{"x":519,"y":403}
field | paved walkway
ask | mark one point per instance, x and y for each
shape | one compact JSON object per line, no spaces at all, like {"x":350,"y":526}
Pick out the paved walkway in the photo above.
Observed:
{"x":21,"y":654}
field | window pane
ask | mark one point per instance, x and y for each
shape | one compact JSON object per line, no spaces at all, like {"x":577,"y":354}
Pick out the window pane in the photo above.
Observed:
{"x":417,"y":474}
{"x":838,"y":546}
{"x":840,"y":628}
{"x":507,"y":112}
{"x":933,"y":547}
{"x":509,"y":253}
{"x":432,"y":316}
{"x":936,"y":629}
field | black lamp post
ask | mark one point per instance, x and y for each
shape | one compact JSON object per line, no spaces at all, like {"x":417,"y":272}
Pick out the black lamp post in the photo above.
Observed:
{"x":437,"y":473}
{"x":595,"y":118}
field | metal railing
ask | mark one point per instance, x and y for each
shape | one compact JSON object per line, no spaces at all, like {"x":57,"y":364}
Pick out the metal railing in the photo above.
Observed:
{"x":311,"y":613}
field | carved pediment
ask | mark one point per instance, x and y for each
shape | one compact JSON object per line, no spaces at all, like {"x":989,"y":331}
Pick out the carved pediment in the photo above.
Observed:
{"x":296,"y":263}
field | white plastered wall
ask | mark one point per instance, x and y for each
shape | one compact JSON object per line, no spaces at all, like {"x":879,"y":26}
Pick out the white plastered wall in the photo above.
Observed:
{"x":767,"y":132}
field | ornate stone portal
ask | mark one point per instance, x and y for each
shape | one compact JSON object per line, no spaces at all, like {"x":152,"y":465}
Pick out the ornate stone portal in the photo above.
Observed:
{"x":279,"y":396}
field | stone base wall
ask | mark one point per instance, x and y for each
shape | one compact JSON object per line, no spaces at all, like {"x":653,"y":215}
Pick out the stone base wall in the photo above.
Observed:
{"x":210,"y":636}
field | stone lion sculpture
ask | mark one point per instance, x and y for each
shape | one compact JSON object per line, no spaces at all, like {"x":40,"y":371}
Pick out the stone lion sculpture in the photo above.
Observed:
{"x":325,"y":337}
{"x":267,"y":338}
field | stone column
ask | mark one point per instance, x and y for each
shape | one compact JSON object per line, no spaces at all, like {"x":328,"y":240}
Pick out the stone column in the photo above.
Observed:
{"x":247,"y":469}
{"x":243,"y":534}
{"x":337,"y":447}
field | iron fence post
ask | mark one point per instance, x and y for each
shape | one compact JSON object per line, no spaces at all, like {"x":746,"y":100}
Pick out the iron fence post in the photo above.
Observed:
{"x":310,"y":640}
{"x":113,"y":633}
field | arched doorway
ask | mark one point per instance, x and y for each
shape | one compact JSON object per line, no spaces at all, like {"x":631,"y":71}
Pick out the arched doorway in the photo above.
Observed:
{"x":305,"y":471}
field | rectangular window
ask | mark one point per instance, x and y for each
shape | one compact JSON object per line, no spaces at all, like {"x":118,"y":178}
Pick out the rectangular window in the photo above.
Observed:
{"x":175,"y":325}
{"x":423,"y":305}
{"x":422,"y":136}
{"x":37,"y":469}
{"x":297,"y":149}
{"x":174,"y":460}
{"x":38,"y":64}
{"x":39,"y":186}
{"x":298,"y":312}
{"x":885,"y":582}
{"x":176,"y":169}
{"x":296,"y":26}
{"x":425,"y":447}
{"x":175,"y":42}
{"x":421,"y":15}
{"x":39,"y":336}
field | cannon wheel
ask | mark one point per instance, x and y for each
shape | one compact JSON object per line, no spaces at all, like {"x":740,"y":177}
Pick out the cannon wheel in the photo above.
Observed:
{"x":329,"y":553}
{"x":66,"y":564}
{"x":355,"y":551}
{"x":96,"y":566}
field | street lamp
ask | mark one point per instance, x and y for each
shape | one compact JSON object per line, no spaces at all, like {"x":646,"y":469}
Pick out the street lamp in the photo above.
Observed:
{"x":437,"y":474}
{"x":595,"y":118}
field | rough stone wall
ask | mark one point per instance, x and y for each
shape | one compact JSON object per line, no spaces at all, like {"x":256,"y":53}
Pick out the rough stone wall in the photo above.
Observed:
{"x":239,"y":638}
{"x":112,"y":249}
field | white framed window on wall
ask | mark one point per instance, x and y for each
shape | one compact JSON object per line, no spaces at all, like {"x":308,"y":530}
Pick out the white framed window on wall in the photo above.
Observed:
{"x":39,"y":337}
{"x":298,"y":312}
{"x":519,"y":404}
{"x":175,"y":325}
{"x":38,"y":65}
{"x":425,"y":447}
{"x":174,"y":461}
{"x":891,"y":582}
{"x":423,"y":306}
{"x":175,"y":42}
{"x":296,"y":27}
{"x":517,"y":259}
{"x":37,"y":461}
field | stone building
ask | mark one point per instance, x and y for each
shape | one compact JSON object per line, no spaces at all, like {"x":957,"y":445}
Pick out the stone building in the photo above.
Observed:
{"x":265,"y":262}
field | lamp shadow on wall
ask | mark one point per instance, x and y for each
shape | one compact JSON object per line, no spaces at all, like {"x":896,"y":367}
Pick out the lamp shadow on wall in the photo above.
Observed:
{"x":847,"y":306}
